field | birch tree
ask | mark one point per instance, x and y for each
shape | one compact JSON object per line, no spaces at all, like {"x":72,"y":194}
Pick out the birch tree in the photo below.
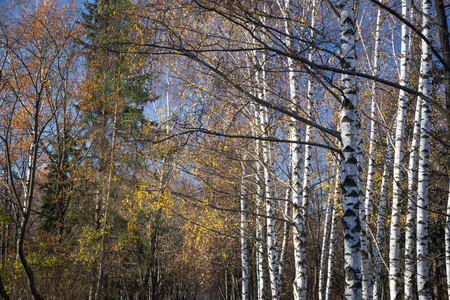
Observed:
{"x":327,"y":240}
{"x":350,"y":178}
{"x":394,"y":250}
{"x":244,"y":232}
{"x":423,"y":283}
{"x":298,"y":191}
{"x":410,"y":237}
{"x":378,"y":251}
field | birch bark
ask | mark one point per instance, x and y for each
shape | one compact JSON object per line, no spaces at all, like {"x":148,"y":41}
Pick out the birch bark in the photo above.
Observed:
{"x":410,"y":237}
{"x":326,"y":241}
{"x":272,"y":234}
{"x":394,"y":242}
{"x":365,"y":267}
{"x":299,"y":228}
{"x":366,"y":276}
{"x":286,"y":227}
{"x":370,"y":168}
{"x":350,"y":189}
{"x":331,"y":253}
{"x":301,"y":274}
{"x":261,"y":272}
{"x":377,"y":292}
{"x":423,"y":281}
{"x":244,"y":248}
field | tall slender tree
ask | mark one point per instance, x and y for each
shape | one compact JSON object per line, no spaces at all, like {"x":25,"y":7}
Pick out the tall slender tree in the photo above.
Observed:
{"x":350,"y":178}
{"x":423,"y":280}
{"x":394,"y":250}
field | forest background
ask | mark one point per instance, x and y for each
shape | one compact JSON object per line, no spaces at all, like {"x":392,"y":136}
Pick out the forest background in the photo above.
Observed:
{"x":198,"y":149}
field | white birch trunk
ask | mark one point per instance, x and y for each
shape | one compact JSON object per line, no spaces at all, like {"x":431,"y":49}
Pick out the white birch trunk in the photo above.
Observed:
{"x":300,"y":282}
{"x":324,"y":252}
{"x":365,"y":267}
{"x":370,"y":168}
{"x":326,"y":241}
{"x":299,"y":226}
{"x":423,"y":280}
{"x":394,"y":242}
{"x":366,"y":276}
{"x":244,"y":247}
{"x":299,"y":229}
{"x":377,"y":291}
{"x":331,"y":253}
{"x":286,"y":227}
{"x":261,"y":272}
{"x":410,"y":237}
{"x":350,"y":189}
{"x":272,"y":233}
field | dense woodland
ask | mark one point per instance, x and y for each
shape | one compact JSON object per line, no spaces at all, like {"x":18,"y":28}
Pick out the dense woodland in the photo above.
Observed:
{"x":199,"y":149}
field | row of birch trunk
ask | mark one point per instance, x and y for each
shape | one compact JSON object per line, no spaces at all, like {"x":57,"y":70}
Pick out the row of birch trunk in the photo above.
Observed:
{"x":364,"y":254}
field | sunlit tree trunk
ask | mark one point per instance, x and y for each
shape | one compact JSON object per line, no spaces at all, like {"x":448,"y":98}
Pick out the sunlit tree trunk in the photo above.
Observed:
{"x":285,"y":232}
{"x":326,"y":242}
{"x":300,"y":195}
{"x":272,"y":233}
{"x":261,"y":272}
{"x":410,"y":237}
{"x":299,"y":228}
{"x":372,"y":138}
{"x":350,"y":189}
{"x":410,"y":225}
{"x":365,"y":267}
{"x":367,"y":278}
{"x":366,"y":200}
{"x":331,"y":252}
{"x":423,"y":280}
{"x":394,"y":242}
{"x":244,"y":248}
{"x":378,"y":259}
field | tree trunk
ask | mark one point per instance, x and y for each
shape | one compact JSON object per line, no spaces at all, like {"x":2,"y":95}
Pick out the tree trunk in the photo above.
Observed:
{"x":366,"y":276}
{"x":331,"y":253}
{"x":423,"y":281}
{"x":244,"y":232}
{"x":365,"y":267}
{"x":350,"y":189}
{"x":285,"y":232}
{"x":261,"y":272}
{"x":394,"y":250}
{"x":378,"y":254}
{"x":326,"y":241}
{"x":410,"y":237}
{"x":370,"y":168}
